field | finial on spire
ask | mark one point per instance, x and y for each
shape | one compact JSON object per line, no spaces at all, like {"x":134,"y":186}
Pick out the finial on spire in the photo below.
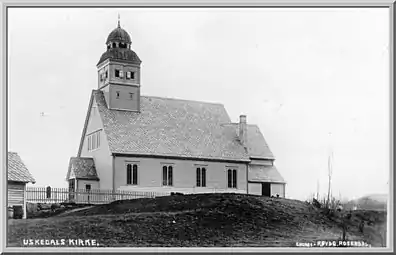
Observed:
{"x":119,"y":20}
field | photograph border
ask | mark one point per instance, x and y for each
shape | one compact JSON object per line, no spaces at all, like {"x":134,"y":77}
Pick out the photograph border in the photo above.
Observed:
{"x":5,"y":5}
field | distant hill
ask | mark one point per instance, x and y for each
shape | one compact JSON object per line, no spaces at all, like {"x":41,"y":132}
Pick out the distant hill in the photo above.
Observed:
{"x":383,"y":198}
{"x":369,"y":202}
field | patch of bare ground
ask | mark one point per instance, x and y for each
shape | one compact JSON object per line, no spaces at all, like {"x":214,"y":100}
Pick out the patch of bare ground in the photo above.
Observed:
{"x":200,"y":220}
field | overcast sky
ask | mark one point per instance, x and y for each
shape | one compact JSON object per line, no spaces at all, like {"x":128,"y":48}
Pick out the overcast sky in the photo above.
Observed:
{"x":297,"y":73}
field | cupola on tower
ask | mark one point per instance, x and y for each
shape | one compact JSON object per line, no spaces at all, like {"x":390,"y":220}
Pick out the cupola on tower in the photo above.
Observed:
{"x":119,"y":72}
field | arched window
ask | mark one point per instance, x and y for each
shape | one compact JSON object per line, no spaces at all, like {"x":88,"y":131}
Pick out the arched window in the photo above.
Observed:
{"x":198,"y":177}
{"x":167,"y":175}
{"x":129,"y":174}
{"x":201,"y":177}
{"x":229,"y":178}
{"x":232,"y":178}
{"x":132,"y":174}
{"x":170,"y":175}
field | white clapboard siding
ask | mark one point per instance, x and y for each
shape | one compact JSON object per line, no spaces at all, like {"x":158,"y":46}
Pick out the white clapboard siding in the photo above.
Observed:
{"x":15,"y":194}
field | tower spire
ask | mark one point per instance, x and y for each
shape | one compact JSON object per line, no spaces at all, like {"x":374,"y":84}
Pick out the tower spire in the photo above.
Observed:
{"x":119,"y":20}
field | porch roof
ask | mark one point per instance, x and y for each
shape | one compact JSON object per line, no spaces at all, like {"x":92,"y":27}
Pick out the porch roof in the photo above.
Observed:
{"x":263,"y":173}
{"x":82,"y":168}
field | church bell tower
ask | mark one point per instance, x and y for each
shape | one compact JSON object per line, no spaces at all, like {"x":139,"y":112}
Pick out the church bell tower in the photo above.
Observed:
{"x":119,"y":72}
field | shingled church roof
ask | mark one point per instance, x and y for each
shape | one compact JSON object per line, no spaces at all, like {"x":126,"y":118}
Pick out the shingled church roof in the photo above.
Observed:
{"x":180,"y":128}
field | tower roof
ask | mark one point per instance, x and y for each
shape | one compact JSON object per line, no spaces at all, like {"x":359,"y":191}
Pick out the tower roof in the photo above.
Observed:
{"x":120,"y":48}
{"x":120,"y":54}
{"x":119,"y":35}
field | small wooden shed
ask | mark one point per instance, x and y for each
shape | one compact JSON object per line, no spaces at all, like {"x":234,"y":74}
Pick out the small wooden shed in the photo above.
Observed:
{"x":18,"y":177}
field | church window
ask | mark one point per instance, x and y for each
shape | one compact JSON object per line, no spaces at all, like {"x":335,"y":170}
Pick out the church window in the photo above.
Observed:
{"x":232,"y":178}
{"x":201,"y":177}
{"x":94,"y":141}
{"x":167,"y":175}
{"x":132,"y":174}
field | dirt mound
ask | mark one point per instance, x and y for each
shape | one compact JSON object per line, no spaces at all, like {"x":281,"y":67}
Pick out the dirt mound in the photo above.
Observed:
{"x":193,"y":220}
{"x":167,"y":204}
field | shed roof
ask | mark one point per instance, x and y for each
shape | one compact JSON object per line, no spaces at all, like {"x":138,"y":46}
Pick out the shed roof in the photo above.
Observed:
{"x":17,"y":170}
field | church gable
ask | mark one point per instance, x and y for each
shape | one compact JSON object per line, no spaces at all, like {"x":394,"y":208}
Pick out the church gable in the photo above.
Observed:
{"x":93,"y":136}
{"x":94,"y":121}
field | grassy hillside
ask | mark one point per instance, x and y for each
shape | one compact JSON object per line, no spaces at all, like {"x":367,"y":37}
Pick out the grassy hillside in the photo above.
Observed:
{"x":197,"y":220}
